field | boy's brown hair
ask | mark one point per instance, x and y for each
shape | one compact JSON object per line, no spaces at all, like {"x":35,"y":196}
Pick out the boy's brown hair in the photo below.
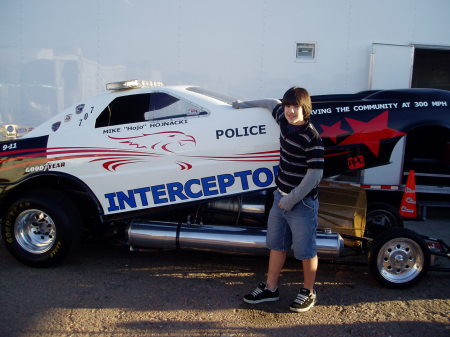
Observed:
{"x":300,"y":97}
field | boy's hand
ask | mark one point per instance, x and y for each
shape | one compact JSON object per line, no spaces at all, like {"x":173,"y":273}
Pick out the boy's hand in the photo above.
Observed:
{"x":236,"y":104}
{"x":286,"y":203}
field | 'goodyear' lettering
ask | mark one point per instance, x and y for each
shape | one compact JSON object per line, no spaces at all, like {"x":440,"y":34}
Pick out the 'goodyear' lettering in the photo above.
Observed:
{"x":45,"y":167}
{"x":192,"y":189}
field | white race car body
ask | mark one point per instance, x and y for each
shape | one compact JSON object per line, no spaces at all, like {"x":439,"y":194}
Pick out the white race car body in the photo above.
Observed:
{"x":197,"y":148}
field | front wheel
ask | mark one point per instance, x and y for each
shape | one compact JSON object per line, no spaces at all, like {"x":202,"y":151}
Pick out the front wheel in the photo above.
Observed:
{"x":40,"y":228}
{"x":399,"y":258}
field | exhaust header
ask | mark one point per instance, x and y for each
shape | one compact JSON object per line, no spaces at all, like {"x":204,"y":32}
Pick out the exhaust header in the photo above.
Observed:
{"x":169,"y":235}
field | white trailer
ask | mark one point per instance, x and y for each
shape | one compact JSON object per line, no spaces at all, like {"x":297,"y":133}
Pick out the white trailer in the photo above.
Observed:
{"x":56,"y":53}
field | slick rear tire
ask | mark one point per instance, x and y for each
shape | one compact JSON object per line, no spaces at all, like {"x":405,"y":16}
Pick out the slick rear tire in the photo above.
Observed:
{"x":399,"y":258}
{"x":41,"y":228}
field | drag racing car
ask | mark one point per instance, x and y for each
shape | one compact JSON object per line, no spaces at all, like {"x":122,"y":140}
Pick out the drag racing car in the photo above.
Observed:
{"x":178,"y":167}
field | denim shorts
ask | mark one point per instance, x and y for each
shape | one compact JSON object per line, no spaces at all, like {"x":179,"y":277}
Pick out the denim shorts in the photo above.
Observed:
{"x":294,"y":229}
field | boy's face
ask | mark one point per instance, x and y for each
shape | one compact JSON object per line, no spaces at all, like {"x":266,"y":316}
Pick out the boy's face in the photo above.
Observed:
{"x":294,"y":114}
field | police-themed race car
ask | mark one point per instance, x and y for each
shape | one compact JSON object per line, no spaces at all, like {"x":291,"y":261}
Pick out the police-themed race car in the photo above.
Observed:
{"x":178,"y":167}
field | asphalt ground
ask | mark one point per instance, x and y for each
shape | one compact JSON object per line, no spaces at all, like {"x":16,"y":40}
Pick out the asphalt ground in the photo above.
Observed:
{"x":105,"y":290}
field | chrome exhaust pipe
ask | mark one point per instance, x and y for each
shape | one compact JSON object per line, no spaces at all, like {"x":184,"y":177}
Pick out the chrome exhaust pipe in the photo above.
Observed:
{"x":170,"y":235}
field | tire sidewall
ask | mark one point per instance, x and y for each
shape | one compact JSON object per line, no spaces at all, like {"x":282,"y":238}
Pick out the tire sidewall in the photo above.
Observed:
{"x":386,"y":236}
{"x":66,"y":219}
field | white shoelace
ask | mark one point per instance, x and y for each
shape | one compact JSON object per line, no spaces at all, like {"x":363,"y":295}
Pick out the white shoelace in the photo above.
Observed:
{"x":257,"y":291}
{"x":300,"y":299}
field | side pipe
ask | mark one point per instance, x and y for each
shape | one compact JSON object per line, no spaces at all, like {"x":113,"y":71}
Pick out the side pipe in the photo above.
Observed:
{"x":170,"y":235}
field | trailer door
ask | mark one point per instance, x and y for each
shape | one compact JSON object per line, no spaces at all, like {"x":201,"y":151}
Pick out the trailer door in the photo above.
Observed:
{"x":390,"y":66}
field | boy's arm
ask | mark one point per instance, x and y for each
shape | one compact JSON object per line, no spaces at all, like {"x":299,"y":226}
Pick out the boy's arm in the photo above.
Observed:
{"x":310,"y":180}
{"x":268,"y":103}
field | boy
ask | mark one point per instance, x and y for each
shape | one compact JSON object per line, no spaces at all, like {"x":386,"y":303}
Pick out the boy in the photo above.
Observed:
{"x":293,"y":218}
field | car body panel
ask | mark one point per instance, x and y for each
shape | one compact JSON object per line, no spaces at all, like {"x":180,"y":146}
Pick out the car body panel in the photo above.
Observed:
{"x":360,"y":131}
{"x":207,"y":149}
{"x":153,"y":163}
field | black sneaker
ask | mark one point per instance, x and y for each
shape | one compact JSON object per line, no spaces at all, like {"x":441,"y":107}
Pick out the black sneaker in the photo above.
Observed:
{"x":304,"y":301}
{"x":261,"y":294}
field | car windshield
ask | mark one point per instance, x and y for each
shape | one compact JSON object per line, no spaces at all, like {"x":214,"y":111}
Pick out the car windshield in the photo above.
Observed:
{"x":205,"y":92}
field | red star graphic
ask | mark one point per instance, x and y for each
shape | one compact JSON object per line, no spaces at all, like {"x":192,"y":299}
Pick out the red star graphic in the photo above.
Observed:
{"x":332,"y":131}
{"x":371,"y":133}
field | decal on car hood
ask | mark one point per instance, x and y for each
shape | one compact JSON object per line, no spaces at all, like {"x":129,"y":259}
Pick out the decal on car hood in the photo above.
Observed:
{"x":146,"y":147}
{"x":369,"y":133}
{"x":354,"y":144}
{"x":166,"y":141}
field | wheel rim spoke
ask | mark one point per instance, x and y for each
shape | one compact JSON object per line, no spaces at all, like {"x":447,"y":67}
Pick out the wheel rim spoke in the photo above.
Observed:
{"x":400,"y":260}
{"x":35,"y":231}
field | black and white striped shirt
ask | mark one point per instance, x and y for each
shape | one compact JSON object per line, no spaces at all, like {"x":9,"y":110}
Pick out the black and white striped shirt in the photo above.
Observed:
{"x":301,"y":148}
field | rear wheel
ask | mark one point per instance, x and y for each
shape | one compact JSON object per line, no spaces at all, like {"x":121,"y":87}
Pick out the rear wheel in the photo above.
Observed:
{"x":41,"y":228}
{"x":381,"y":216}
{"x":399,"y":258}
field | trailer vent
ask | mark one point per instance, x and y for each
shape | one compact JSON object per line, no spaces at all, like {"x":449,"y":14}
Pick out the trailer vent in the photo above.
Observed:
{"x":306,"y":51}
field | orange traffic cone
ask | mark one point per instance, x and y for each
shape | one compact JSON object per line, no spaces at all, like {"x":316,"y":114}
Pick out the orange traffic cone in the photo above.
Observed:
{"x":408,"y":206}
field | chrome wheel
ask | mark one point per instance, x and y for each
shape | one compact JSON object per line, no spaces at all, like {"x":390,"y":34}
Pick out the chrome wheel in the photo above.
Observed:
{"x":400,"y":260}
{"x":35,"y":231}
{"x":41,"y":227}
